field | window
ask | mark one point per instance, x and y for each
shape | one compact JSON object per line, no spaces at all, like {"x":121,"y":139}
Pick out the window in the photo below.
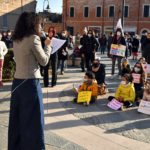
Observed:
{"x":111,"y":11}
{"x":86,"y":12}
{"x":99,"y":11}
{"x":146,"y":11}
{"x":4,"y":19}
{"x":126,"y":11}
{"x":71,"y":11}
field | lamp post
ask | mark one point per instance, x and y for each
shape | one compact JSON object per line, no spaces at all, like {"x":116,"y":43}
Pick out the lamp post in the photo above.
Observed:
{"x":44,"y":9}
{"x":123,"y":4}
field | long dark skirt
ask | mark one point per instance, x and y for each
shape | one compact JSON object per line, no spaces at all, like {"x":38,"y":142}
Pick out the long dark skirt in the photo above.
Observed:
{"x":26,"y":123}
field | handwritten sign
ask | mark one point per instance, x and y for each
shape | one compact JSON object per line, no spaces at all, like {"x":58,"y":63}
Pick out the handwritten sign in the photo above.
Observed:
{"x":84,"y":96}
{"x":114,"y":104}
{"x":118,"y":50}
{"x":144,"y":107}
{"x":136,"y":78}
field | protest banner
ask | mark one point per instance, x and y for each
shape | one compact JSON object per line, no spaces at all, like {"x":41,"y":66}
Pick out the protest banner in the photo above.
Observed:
{"x":144,"y":107}
{"x":118,"y":50}
{"x":56,"y":44}
{"x":114,"y":104}
{"x":136,"y":78}
{"x":84,"y":96}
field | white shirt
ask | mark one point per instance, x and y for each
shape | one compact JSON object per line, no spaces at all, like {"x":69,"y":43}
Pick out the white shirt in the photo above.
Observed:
{"x":3,"y":50}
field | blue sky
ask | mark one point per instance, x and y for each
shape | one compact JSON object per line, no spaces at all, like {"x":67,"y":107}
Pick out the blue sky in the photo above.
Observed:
{"x":55,"y":5}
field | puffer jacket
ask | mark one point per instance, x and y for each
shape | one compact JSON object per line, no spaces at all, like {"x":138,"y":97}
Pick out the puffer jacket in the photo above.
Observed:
{"x":126,"y":92}
{"x":92,"y":86}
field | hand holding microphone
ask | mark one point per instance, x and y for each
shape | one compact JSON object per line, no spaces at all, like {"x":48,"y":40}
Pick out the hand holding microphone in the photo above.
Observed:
{"x":48,"y":42}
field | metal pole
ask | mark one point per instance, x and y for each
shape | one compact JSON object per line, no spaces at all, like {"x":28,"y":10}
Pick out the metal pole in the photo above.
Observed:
{"x":103,"y":17}
{"x":123,"y":5}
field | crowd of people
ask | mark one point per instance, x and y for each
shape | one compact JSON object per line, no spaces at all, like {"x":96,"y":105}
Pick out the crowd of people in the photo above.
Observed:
{"x":32,"y":48}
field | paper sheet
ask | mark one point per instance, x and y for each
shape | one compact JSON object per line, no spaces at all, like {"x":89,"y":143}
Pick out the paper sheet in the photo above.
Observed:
{"x":56,"y":44}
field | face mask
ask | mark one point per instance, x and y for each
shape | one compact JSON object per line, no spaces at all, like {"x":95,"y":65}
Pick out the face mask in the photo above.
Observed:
{"x":89,"y":35}
{"x":85,"y":80}
{"x":118,"y":33}
{"x":123,"y":82}
{"x":63,"y":34}
{"x":136,"y":69}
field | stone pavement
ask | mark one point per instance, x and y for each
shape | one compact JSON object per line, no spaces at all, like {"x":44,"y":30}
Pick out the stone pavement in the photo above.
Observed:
{"x":73,"y":127}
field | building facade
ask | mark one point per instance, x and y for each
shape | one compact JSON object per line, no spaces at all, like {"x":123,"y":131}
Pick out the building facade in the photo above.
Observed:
{"x":10,"y":11}
{"x":102,"y":15}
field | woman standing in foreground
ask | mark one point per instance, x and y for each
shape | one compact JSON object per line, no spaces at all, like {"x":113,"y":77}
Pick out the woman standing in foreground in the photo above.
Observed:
{"x":26,"y":123}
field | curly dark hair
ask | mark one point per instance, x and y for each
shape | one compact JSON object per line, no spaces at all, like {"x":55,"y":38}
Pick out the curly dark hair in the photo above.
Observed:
{"x":27,"y":24}
{"x":142,"y":72}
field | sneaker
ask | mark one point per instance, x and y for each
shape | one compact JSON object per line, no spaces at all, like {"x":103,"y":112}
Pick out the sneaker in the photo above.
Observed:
{"x":123,"y":108}
{"x":1,"y":83}
{"x":86,"y":104}
{"x":62,"y":73}
{"x":112,"y":77}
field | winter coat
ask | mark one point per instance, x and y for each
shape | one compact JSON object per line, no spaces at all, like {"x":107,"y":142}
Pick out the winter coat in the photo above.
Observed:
{"x":100,"y":74}
{"x":91,"y":44}
{"x":83,"y":43}
{"x":135,"y":45}
{"x":146,"y":47}
{"x":90,"y":87}
{"x":126,"y":70}
{"x":62,"y":56}
{"x":103,"y":41}
{"x":128,"y":92}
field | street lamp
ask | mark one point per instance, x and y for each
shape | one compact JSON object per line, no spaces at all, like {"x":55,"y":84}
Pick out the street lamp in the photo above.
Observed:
{"x":123,"y":5}
{"x":47,"y":5}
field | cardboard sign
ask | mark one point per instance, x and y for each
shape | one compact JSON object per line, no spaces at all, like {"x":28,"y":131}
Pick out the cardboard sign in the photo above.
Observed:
{"x":76,"y":88}
{"x":144,"y":107}
{"x":147,"y":68}
{"x":84,"y":96}
{"x":118,"y":50}
{"x":136,"y":78}
{"x":114,"y":104}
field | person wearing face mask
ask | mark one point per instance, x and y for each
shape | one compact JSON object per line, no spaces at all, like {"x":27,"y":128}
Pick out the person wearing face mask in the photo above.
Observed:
{"x":62,"y":53}
{"x":3,"y":52}
{"x":135,"y":47}
{"x":125,"y":92}
{"x":89,"y":84}
{"x":99,"y":70}
{"x":146,"y":48}
{"x":9,"y":40}
{"x":53,"y":61}
{"x":139,"y":82}
{"x":118,"y":39}
{"x":91,"y":46}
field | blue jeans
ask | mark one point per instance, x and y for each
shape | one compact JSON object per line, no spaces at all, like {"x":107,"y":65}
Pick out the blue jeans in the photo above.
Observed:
{"x":62,"y":63}
{"x":26,"y":122}
{"x":103,"y":48}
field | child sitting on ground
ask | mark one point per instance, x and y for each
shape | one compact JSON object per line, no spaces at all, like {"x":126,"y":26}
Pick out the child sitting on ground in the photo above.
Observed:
{"x":125,"y":67}
{"x":89,"y":85}
{"x":125,"y":92}
{"x":139,"y":76}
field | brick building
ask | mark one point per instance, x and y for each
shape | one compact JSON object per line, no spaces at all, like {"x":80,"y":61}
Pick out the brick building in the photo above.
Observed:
{"x":10,"y":11}
{"x":102,"y":15}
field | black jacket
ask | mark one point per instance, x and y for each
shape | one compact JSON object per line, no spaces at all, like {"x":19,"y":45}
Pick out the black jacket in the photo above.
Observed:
{"x":64,"y":47}
{"x":126,"y":70}
{"x":135,"y":45}
{"x":100,"y":74}
{"x":83,"y":43}
{"x":91,"y":44}
{"x":146,"y":47}
{"x":103,"y":41}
